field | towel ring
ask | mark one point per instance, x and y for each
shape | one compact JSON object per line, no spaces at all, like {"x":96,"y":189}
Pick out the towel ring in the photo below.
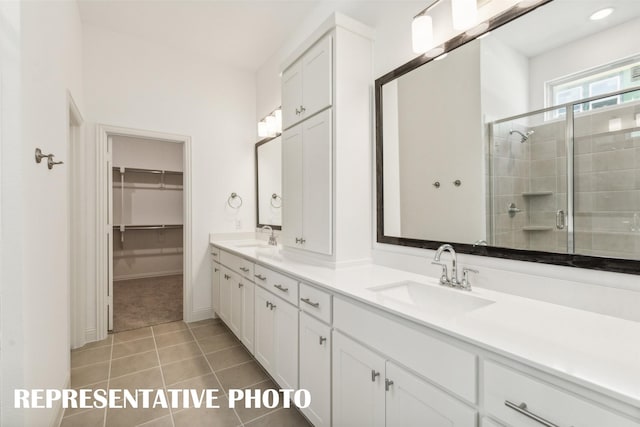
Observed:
{"x":276,"y":201}
{"x":232,"y":197}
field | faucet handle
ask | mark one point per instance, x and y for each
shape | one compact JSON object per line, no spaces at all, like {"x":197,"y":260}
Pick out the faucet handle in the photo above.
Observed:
{"x":466,"y":283}
{"x":444,"y":277}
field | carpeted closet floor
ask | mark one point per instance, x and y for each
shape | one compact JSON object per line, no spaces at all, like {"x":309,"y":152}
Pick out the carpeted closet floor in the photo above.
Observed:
{"x":146,"y":302}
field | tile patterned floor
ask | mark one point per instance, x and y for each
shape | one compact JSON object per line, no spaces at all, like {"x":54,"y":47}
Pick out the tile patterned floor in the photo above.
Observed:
{"x":173,"y":355}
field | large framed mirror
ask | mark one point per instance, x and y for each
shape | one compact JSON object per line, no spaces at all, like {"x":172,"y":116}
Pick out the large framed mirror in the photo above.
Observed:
{"x":268,"y":158}
{"x":523,"y":143}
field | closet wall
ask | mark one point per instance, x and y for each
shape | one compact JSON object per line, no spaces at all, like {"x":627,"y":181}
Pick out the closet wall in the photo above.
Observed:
{"x":147,"y":208}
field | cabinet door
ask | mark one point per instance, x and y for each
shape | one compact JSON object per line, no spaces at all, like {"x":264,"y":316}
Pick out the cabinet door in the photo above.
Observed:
{"x":226,"y":282}
{"x":292,"y":95}
{"x":414,"y":402}
{"x":237,"y":302}
{"x":292,"y":186}
{"x":358,"y":384}
{"x":317,"y":78}
{"x":286,"y":342}
{"x":215,"y":287}
{"x":315,"y":368}
{"x":248,"y":312}
{"x":317,"y":183}
{"x":264,"y":332}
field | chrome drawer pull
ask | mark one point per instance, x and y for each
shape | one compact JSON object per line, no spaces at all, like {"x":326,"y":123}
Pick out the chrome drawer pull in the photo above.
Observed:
{"x":374,"y":374}
{"x":308,"y":301}
{"x":322,"y":340}
{"x":245,"y":269}
{"x":227,"y":277}
{"x":240,"y":285}
{"x":215,"y":270}
{"x":282,"y":288}
{"x":260,"y":276}
{"x":522,"y":408}
{"x":387,"y":384}
{"x":214,"y":254}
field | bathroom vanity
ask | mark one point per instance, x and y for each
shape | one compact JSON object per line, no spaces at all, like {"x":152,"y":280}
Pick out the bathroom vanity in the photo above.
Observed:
{"x":382,"y":347}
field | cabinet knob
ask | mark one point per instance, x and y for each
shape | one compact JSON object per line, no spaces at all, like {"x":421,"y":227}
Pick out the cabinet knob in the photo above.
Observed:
{"x":302,"y":109}
{"x":322,"y":340}
{"x":240,"y":285}
{"x":297,"y":112}
{"x":387,"y":384}
{"x":374,"y":374}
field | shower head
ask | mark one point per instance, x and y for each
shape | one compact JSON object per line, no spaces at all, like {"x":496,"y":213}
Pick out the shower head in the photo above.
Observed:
{"x":523,"y":136}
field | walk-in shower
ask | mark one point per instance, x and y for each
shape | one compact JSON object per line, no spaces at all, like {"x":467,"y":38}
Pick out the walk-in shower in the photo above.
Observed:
{"x":574,"y":187}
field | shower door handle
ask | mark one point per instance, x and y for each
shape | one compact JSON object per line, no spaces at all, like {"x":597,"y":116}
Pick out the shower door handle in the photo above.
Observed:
{"x":560,"y":220}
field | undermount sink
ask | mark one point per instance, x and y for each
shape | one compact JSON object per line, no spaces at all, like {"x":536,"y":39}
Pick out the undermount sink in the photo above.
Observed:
{"x":432,"y":299}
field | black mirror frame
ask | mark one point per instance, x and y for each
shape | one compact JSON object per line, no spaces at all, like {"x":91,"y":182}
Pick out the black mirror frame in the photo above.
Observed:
{"x":258,"y":144}
{"x":570,"y":260}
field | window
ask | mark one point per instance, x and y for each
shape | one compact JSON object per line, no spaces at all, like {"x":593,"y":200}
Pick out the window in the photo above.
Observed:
{"x":610,"y":78}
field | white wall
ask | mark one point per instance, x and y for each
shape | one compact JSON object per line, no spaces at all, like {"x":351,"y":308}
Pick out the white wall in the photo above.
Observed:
{"x":133,"y":83}
{"x":589,"y":52}
{"x":50,"y":43}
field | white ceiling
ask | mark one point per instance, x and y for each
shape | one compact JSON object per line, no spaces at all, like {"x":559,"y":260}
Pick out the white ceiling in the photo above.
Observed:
{"x":240,"y":33}
{"x":563,"y":21}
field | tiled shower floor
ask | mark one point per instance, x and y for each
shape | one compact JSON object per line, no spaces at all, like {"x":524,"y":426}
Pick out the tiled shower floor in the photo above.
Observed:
{"x":173,"y":355}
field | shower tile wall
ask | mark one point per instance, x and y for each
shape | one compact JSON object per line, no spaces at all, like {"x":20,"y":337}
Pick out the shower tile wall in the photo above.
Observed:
{"x":607,"y":183}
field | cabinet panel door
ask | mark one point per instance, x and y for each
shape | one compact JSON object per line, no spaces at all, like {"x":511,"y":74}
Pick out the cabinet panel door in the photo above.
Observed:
{"x":264,"y":330}
{"x":291,"y":95}
{"x":414,"y":402}
{"x":226,"y":282}
{"x":317,"y":183}
{"x":215,"y":287}
{"x":317,"y":77}
{"x":292,"y":186}
{"x":358,"y":384}
{"x":248,"y":290}
{"x":315,"y":368}
{"x":286,"y":341}
{"x":235,"y":323}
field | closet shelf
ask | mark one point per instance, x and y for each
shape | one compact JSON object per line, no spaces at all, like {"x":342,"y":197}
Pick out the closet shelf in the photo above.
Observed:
{"x":147,"y":227}
{"x":537,"y":228}
{"x":148,"y":186}
{"x":537,"y":193}
{"x":152,"y":171}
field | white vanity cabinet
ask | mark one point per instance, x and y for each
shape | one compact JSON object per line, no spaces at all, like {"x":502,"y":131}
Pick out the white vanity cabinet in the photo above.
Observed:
{"x":224,"y":310}
{"x":276,"y":342}
{"x":315,"y":368}
{"x":370,"y":390}
{"x":307,"y":185}
{"x":307,"y":84}
{"x":215,"y":286}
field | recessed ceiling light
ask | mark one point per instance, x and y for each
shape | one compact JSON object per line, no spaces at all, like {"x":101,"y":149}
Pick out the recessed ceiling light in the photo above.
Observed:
{"x":601,"y":14}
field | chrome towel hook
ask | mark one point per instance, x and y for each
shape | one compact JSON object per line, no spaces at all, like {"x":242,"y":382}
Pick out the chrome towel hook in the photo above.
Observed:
{"x":234,"y":201}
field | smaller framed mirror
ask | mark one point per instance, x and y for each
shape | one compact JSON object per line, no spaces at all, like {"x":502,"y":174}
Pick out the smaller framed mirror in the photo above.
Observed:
{"x":269,"y":182}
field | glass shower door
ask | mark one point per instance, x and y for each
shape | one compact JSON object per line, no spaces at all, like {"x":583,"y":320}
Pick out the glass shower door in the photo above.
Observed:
{"x":530,"y":207}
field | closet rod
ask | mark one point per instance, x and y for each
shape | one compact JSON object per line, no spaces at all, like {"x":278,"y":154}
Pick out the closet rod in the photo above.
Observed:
{"x":146,"y":227}
{"x":153,"y":171}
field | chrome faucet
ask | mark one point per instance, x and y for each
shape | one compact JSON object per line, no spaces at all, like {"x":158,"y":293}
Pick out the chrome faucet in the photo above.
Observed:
{"x":453,"y":281}
{"x":272,"y":237}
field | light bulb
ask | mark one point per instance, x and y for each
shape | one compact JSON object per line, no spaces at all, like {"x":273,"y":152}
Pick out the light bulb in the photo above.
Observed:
{"x":278,"y":115}
{"x":422,"y":33}
{"x":271,"y":125}
{"x":464,"y":14}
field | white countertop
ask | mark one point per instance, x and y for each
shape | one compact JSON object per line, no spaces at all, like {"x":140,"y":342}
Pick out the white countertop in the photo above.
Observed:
{"x":596,"y":351}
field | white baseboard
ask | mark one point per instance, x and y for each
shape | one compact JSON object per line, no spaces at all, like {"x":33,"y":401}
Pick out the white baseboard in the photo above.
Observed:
{"x":90,"y":335}
{"x":59,"y":410}
{"x":147,"y":275}
{"x":202,"y":314}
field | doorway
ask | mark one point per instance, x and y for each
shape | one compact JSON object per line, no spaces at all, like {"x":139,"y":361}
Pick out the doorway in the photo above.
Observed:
{"x":145,"y":221}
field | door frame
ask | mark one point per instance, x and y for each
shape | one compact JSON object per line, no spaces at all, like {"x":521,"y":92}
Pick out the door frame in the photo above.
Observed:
{"x":103,"y":132}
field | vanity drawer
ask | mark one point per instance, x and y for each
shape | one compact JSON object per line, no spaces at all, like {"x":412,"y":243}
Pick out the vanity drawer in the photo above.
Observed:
{"x":279,"y":284}
{"x":315,"y":302}
{"x":215,"y":252}
{"x":413,"y":346}
{"x":237,"y":264}
{"x":502,"y":385}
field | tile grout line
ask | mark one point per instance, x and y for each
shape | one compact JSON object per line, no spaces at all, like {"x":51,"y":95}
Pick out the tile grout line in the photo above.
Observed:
{"x":104,"y":423}
{"x":216,"y":376}
{"x":164,"y":384}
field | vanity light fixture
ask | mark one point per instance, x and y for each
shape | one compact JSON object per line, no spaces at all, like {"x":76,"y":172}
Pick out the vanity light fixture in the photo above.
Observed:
{"x":487,"y":34}
{"x":464,"y":14}
{"x":271,"y":125}
{"x":601,"y":14}
{"x":478,"y":29}
{"x":527,"y":3}
{"x":422,"y":30}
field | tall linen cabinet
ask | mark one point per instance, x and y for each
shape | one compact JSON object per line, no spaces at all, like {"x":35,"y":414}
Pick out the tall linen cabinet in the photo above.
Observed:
{"x":327,"y":150}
